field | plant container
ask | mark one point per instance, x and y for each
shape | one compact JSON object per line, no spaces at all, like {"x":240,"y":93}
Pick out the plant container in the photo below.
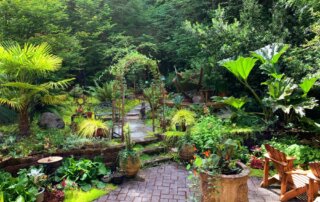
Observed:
{"x":186,"y":152}
{"x":231,"y":188}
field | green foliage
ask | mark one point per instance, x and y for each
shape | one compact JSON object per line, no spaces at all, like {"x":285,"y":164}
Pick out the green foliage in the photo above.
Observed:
{"x":183,"y":118}
{"x":240,"y":68}
{"x":172,"y":137}
{"x":20,"y":188}
{"x":307,"y":83}
{"x":128,"y":152}
{"x":22,"y":70}
{"x":84,"y":172}
{"x":207,"y":131}
{"x":293,"y":147}
{"x":93,"y":194}
{"x":91,"y":127}
{"x":236,"y":103}
{"x":103,"y":92}
{"x":222,"y":160}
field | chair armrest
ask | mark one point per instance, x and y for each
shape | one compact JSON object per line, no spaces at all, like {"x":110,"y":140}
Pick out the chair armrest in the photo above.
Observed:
{"x":274,"y":160}
{"x":299,"y":172}
{"x":290,"y":158}
{"x":311,"y":176}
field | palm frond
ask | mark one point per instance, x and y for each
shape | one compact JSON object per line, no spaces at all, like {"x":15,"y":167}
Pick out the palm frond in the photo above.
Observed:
{"x":12,"y":103}
{"x":58,"y":85}
{"x":53,"y":99}
{"x":28,"y":60}
{"x":26,"y":86}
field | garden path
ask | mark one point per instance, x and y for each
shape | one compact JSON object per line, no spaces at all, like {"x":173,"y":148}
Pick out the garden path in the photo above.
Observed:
{"x":137,"y":127}
{"x":168,"y":183}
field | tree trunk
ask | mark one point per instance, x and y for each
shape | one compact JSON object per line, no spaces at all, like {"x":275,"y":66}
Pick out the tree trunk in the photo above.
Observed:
{"x":24,"y":126}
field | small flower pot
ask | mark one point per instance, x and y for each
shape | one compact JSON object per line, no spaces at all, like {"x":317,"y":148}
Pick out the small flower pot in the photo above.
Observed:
{"x":186,"y":152}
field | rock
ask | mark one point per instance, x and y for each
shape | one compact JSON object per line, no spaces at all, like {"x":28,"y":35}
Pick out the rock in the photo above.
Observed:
{"x":50,"y":120}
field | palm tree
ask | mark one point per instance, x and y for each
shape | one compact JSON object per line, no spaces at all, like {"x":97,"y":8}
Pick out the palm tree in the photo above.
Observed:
{"x":22,"y":72}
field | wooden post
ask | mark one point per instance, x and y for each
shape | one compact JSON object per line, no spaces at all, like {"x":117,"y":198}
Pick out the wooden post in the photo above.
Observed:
{"x":122,"y":110}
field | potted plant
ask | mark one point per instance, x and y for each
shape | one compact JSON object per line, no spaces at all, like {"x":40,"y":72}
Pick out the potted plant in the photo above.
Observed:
{"x":37,"y":178}
{"x":186,"y":148}
{"x":222,"y":176}
{"x":129,"y":160}
{"x":182,"y":119}
{"x":93,"y":128}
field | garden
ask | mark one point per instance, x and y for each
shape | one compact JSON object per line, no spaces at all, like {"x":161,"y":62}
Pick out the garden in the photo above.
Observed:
{"x":181,"y":100}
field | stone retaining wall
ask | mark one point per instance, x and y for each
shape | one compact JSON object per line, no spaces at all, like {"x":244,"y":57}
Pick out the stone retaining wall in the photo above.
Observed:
{"x":108,"y":154}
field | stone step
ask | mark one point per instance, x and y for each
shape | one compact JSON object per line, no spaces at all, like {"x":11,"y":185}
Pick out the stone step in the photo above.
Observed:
{"x":153,"y":151}
{"x":157,"y":160}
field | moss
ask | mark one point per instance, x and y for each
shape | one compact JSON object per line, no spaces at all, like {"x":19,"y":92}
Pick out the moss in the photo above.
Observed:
{"x":145,"y":157}
{"x":138,"y":148}
{"x":259,"y":172}
{"x":75,"y":195}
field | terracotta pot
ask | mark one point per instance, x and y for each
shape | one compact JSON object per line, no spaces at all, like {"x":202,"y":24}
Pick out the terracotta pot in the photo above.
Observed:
{"x":130,"y":166}
{"x":186,"y":152}
{"x":89,"y":114}
{"x":100,"y":133}
{"x":231,"y":188}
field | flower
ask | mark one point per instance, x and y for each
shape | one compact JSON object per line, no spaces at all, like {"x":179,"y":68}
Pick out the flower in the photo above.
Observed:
{"x":63,"y":183}
{"x":207,"y":153}
{"x":194,"y":148}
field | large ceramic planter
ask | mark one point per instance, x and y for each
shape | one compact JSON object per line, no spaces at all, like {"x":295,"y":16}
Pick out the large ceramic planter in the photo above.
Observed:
{"x":186,"y":152}
{"x":130,"y":166}
{"x":229,"y":188}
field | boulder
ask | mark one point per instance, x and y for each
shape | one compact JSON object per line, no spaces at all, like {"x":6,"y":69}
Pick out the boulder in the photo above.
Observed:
{"x":50,"y":120}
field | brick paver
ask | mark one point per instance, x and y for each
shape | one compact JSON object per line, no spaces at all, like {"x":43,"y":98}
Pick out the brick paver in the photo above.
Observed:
{"x":168,"y":183}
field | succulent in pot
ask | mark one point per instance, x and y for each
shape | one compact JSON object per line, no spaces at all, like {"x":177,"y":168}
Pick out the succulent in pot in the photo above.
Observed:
{"x":222,"y":176}
{"x":129,"y":160}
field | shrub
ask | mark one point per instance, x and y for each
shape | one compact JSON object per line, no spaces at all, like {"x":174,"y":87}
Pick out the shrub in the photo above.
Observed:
{"x":207,"y":131}
{"x":183,"y":118}
{"x":292,"y":147}
{"x":91,"y":127}
{"x":83,"y":172}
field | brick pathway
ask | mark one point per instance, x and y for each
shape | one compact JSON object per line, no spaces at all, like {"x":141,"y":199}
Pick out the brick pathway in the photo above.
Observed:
{"x":167,"y":183}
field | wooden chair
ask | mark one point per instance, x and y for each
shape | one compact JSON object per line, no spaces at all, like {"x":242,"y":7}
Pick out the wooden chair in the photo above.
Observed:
{"x":314,"y":181}
{"x":293,"y":182}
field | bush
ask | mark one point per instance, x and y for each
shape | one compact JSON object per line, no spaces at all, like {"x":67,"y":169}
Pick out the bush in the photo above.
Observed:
{"x":292,"y":147}
{"x":207,"y":131}
{"x":84,"y":173}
